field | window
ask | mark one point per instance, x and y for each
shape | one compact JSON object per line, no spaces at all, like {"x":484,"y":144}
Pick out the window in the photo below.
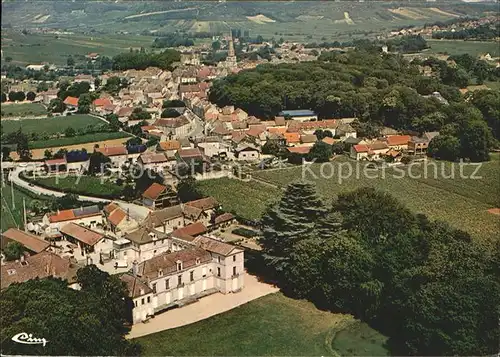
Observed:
{"x":234,"y":258}
{"x":154,"y":287}
{"x":191,"y":276}
{"x":124,"y":254}
{"x":197,"y":261}
{"x":179,"y":280}
{"x":218,"y":271}
{"x":160,"y":272}
{"x":218,"y":259}
{"x":149,"y":299}
{"x":135,"y":303}
{"x":167,"y":284}
{"x":234,"y":270}
{"x":179,"y":265}
{"x":142,"y":301}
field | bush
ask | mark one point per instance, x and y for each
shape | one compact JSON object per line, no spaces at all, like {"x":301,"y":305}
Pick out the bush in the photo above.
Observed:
{"x":245,"y":232}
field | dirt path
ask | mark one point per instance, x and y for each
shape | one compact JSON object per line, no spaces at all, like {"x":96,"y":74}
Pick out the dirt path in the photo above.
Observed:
{"x":159,"y":12}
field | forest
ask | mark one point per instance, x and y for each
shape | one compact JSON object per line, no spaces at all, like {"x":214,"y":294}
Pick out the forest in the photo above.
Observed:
{"x":430,"y":288}
{"x":378,"y":89}
{"x":483,"y":32}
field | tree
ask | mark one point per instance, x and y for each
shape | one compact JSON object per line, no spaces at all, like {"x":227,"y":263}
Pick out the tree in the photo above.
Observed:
{"x":169,"y":113}
{"x":216,"y":46}
{"x":13,"y":250}
{"x":69,"y":132}
{"x":56,"y":106}
{"x":98,"y":163}
{"x":187,"y":190}
{"x":48,"y":154}
{"x":98,"y":315}
{"x":5,"y":153}
{"x":30,"y":96}
{"x":175,"y":103}
{"x":12,"y":96}
{"x":289,"y":221}
{"x":145,"y":178}
{"x":70,"y":61}
{"x":429,"y":122}
{"x":22,"y":146}
{"x":444,"y":147}
{"x":84,"y":103}
{"x":4,"y":97}
{"x":338,"y":148}
{"x":320,"y":151}
{"x":273,"y":147}
{"x":475,"y":141}
{"x":42,"y":87}
{"x":114,"y":123}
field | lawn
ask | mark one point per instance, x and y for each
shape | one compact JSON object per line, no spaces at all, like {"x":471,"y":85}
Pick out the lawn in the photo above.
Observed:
{"x":463,"y":203}
{"x":81,"y":185}
{"x":456,"y":47}
{"x":359,"y":339}
{"x":75,"y":140}
{"x":50,"y":125}
{"x":246,"y":199}
{"x":23,"y":110}
{"x":273,"y":325}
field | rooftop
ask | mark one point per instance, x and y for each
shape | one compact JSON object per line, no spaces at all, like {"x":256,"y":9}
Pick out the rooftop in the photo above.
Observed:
{"x":31,"y":242}
{"x":81,"y":233}
{"x":297,"y":113}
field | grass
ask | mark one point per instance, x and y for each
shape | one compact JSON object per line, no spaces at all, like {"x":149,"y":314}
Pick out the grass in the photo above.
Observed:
{"x":24,"y":109}
{"x":273,"y":325}
{"x":245,"y":199}
{"x":456,"y":47}
{"x":81,"y":185}
{"x":359,"y":339}
{"x":463,"y":203}
{"x":50,"y":125}
{"x":81,"y":139}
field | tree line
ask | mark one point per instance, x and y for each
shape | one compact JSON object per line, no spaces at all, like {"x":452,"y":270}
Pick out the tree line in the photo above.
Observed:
{"x":482,"y":32}
{"x":430,"y":288}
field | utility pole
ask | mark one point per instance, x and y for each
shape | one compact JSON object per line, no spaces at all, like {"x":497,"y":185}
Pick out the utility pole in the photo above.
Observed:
{"x":12,"y":194}
{"x":24,"y":215}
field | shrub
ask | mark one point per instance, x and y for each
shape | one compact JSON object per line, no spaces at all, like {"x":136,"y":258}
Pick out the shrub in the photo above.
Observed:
{"x":245,"y":232}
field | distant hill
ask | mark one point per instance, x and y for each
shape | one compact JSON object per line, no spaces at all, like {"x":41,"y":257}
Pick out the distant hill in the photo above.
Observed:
{"x":292,"y":19}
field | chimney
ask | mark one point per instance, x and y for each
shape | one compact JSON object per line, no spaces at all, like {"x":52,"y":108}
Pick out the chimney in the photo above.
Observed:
{"x":134,"y":268}
{"x":22,"y":257}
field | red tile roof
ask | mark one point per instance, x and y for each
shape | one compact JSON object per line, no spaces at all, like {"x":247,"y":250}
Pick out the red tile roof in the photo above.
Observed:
{"x":154,"y":191}
{"x":53,"y":162}
{"x":398,"y":140}
{"x":71,"y":101}
{"x":170,"y":145}
{"x":81,"y":233}
{"x":204,"y":203}
{"x":300,"y":149}
{"x":30,"y":241}
{"x":117,"y":216}
{"x":328,"y":140}
{"x":361,"y":148}
{"x":225,"y":217}
{"x":112,"y":150}
{"x":62,"y":216}
{"x":101,"y":102}
{"x":190,"y":231}
{"x":292,"y":138}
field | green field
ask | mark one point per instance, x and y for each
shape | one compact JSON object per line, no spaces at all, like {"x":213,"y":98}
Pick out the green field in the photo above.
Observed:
{"x":359,"y":339}
{"x":461,"y":202}
{"x":246,"y":199}
{"x":474,"y":48}
{"x":50,"y":125}
{"x":81,"y":185}
{"x":23,"y":110}
{"x":273,"y":325}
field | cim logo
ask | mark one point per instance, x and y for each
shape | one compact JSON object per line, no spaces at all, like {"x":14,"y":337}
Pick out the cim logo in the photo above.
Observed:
{"x":28,"y":339}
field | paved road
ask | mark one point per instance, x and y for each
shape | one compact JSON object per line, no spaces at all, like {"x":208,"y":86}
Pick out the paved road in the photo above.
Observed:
{"x":206,"y":307}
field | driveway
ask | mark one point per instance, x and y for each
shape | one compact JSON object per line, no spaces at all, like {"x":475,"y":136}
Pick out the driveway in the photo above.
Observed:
{"x":206,"y":307}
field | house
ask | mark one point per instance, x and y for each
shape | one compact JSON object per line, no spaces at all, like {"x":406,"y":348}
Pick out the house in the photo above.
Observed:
{"x":393,"y":155}
{"x":246,"y":152}
{"x":117,"y":154}
{"x":154,"y":161}
{"x":124,"y":114}
{"x":165,"y":220}
{"x":92,"y":56}
{"x":56,"y":165}
{"x":87,"y":240}
{"x":308,"y":140}
{"x":159,"y":196}
{"x":292,"y":139}
{"x":41,"y":265}
{"x":71,"y":102}
{"x":223,"y":221}
{"x":99,"y":104}
{"x":370,"y":152}
{"x":170,"y":147}
{"x":301,"y":150}
{"x":418,"y":145}
{"x":214,"y":147}
{"x":398,"y":142}
{"x":190,"y":156}
{"x":142,"y":297}
{"x":174,"y":127}
{"x":300,"y":115}
{"x":118,"y":219}
{"x":202,"y":210}
{"x":345,"y":131}
{"x":141,"y":244}
{"x":90,"y":216}
{"x":309,"y":127}
{"x":31,"y":243}
{"x":155,"y":98}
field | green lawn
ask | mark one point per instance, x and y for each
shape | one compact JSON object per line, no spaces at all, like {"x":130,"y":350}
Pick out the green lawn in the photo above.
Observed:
{"x":246,"y":199}
{"x":82,"y":185}
{"x":456,"y":47}
{"x":461,"y":202}
{"x":81,"y":139}
{"x":23,"y":110}
{"x":273,"y":325}
{"x":359,"y":339}
{"x":50,"y":125}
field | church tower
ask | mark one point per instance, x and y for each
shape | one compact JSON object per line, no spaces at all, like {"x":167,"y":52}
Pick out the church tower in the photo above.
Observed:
{"x":231,"y":60}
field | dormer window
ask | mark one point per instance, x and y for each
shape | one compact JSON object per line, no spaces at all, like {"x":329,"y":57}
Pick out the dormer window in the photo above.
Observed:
{"x":197,"y":261}
{"x":160,"y":272}
{"x":179,"y":265}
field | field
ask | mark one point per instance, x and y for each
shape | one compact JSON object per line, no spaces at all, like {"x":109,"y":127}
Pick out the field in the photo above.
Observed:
{"x":473,"y":48}
{"x":23,"y":110}
{"x":359,"y":339}
{"x":273,"y":325}
{"x":81,"y":185}
{"x":463,"y":203}
{"x":246,"y":199}
{"x":50,"y":125}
